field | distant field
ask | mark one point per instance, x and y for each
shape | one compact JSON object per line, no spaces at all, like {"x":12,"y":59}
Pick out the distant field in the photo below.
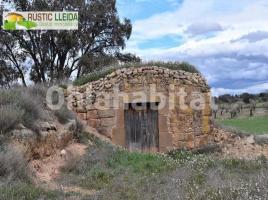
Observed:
{"x":253,"y":125}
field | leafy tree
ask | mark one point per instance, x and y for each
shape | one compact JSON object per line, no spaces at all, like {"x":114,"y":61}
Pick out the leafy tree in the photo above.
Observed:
{"x":264,"y":96}
{"x":56,"y":55}
{"x":226,"y":98}
{"x":7,"y":76}
{"x":247,"y":97}
{"x":11,"y":59}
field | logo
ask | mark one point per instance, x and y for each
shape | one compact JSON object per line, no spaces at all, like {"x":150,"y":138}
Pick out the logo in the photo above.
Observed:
{"x":40,"y":20}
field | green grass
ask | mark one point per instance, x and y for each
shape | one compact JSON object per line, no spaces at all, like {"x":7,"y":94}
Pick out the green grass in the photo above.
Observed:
{"x":141,"y":163}
{"x":103,"y":165}
{"x":252,"y":125}
{"x":100,"y":74}
{"x":245,"y":166}
{"x":119,"y":174}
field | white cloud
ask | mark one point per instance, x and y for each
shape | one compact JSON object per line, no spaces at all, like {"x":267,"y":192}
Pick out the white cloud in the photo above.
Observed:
{"x":200,"y":28}
{"x":236,"y":54}
{"x":254,"y":36}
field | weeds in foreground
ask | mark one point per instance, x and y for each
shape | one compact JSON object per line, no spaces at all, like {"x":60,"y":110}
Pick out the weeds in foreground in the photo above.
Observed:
{"x":26,"y":191}
{"x":13,"y":166}
{"x":119,"y":174}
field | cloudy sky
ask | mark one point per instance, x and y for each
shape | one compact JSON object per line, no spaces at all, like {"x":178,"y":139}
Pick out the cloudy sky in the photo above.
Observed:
{"x":226,"y":40}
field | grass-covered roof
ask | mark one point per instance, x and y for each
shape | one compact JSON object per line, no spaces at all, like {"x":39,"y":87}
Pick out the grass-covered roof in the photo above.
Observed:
{"x":100,"y":74}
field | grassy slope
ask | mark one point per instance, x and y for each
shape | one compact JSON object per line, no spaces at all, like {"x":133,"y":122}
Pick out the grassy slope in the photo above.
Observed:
{"x":118,"y":174}
{"x":253,"y":125}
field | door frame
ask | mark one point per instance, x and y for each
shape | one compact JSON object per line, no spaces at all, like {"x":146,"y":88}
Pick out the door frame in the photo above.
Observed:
{"x":143,"y":106}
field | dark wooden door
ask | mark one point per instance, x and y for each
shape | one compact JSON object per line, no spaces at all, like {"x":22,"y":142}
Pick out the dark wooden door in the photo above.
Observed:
{"x":141,"y":128}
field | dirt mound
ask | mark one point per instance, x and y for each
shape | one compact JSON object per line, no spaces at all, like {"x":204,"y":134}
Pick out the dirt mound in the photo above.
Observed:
{"x":47,"y":170}
{"x":235,"y":146}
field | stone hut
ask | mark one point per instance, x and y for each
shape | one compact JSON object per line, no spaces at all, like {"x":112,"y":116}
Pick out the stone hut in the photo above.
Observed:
{"x":147,"y":108}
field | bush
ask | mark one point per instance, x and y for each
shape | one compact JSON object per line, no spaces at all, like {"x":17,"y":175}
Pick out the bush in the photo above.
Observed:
{"x":180,"y":155}
{"x":21,"y":105}
{"x":32,"y":109}
{"x":93,"y":76}
{"x":100,"y":74}
{"x":78,"y":131}
{"x":245,"y":165}
{"x":64,"y":114}
{"x":10,"y":116}
{"x":13,"y":166}
{"x":9,"y":96}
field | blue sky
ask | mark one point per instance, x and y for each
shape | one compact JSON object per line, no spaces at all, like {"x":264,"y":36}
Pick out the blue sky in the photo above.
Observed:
{"x":226,"y":40}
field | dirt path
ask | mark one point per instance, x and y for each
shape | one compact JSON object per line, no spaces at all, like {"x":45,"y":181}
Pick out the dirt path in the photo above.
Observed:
{"x":48,"y":170}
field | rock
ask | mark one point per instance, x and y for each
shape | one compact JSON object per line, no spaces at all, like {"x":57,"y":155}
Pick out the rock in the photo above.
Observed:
{"x":107,"y":122}
{"x":166,"y":75}
{"x":70,"y":125}
{"x":44,"y":134}
{"x":23,"y":134}
{"x":21,"y":126}
{"x":211,"y":148}
{"x":250,"y":139}
{"x":112,"y":75}
{"x":108,"y":85}
{"x":194,"y":80}
{"x":63,"y":153}
{"x":261,"y":139}
{"x":44,"y":126}
{"x":106,"y":113}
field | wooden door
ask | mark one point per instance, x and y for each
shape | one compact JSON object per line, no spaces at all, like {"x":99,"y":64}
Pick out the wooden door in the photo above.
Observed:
{"x":141,"y":128}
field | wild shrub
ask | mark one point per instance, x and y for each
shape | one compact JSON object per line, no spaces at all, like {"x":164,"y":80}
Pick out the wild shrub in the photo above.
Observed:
{"x":8,"y":96}
{"x":93,"y":76}
{"x":64,"y":114}
{"x":13,"y":166}
{"x":77,"y":129}
{"x":33,"y":109}
{"x":97,"y":179}
{"x":19,"y":191}
{"x":10,"y":116}
{"x":21,"y":105}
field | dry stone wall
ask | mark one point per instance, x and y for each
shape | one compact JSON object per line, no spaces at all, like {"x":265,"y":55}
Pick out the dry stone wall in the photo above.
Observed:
{"x":184,"y":110}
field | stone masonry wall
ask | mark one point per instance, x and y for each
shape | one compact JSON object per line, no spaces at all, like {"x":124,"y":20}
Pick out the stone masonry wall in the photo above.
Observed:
{"x":101,"y":103}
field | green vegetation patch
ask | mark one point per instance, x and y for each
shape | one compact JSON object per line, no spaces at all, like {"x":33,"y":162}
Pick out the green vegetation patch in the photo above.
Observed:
{"x":119,"y":174}
{"x":100,"y":74}
{"x":104,"y":164}
{"x":245,"y":166}
{"x":143,"y":163}
{"x":252,"y":125}
{"x":23,"y":191}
